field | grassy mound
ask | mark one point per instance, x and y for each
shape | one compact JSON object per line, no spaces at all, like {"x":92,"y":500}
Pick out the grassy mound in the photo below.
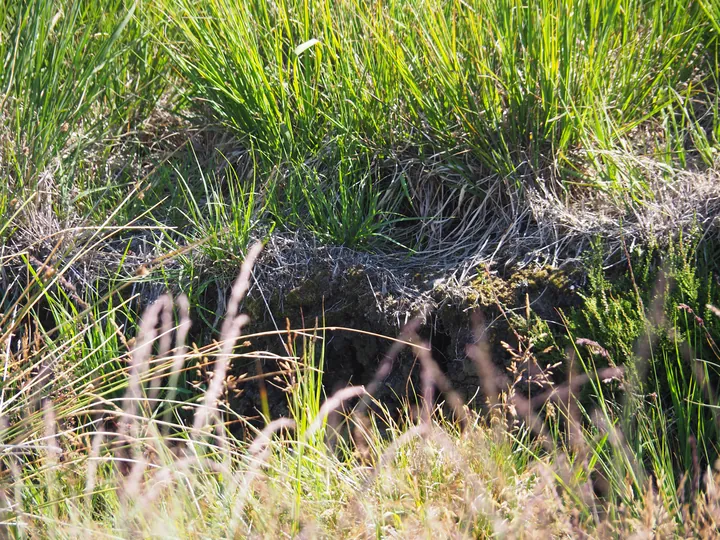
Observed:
{"x":145,"y":145}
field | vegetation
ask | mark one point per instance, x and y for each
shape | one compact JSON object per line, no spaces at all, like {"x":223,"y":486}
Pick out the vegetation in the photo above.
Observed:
{"x":145,"y":146}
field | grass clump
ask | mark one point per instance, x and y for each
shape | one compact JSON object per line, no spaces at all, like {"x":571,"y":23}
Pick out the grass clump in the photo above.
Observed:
{"x":73,"y":73}
{"x":495,"y":78}
{"x":555,"y":93}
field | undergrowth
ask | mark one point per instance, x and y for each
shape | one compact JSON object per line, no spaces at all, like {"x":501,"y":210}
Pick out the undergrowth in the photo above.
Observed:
{"x":145,"y":145}
{"x":614,"y":435}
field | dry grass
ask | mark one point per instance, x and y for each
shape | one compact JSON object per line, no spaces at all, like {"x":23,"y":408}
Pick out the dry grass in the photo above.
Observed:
{"x":93,"y":462}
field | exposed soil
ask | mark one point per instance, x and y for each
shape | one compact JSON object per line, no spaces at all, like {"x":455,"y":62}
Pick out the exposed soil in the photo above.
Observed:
{"x":351,"y":298}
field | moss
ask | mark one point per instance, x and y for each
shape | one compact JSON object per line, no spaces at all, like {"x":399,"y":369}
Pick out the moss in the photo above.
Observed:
{"x":308,"y":293}
{"x":546,"y":287}
{"x":488,"y":289}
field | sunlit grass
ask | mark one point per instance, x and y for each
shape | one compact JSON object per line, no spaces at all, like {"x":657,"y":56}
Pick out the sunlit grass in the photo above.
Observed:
{"x":147,"y":144}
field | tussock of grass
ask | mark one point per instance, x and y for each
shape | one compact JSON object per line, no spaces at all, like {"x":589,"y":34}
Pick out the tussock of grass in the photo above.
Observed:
{"x":356,"y":107}
{"x":73,"y":73}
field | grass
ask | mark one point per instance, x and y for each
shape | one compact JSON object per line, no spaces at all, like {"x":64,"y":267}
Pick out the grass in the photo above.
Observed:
{"x":73,"y":73}
{"x":515,"y":92}
{"x":106,"y":448}
{"x":144,"y":146}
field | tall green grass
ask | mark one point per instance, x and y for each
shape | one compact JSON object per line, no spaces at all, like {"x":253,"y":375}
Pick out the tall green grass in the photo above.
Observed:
{"x":496,"y":78}
{"x":548,"y":91}
{"x":372,"y":124}
{"x":73,"y":73}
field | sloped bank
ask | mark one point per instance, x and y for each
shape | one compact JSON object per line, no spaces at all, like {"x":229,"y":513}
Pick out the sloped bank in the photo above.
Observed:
{"x":363,"y":299}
